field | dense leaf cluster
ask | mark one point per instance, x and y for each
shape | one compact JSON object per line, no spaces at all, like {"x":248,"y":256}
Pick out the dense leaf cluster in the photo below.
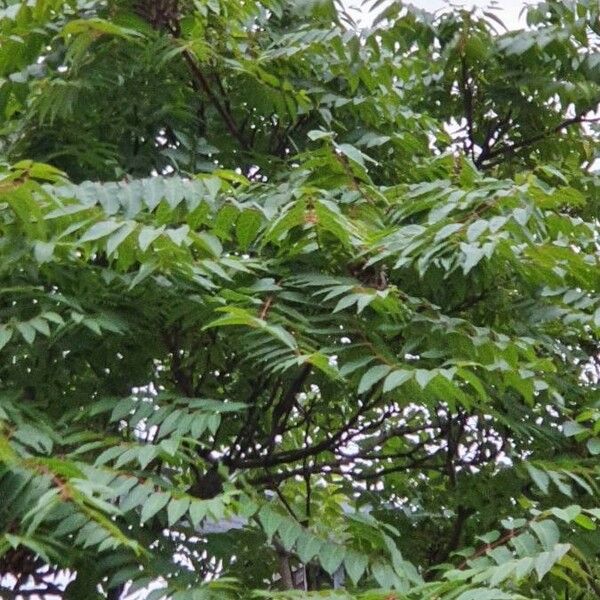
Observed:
{"x":288,"y":305}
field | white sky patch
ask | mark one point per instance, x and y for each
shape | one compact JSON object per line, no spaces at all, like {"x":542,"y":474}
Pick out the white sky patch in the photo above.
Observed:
{"x":509,"y":11}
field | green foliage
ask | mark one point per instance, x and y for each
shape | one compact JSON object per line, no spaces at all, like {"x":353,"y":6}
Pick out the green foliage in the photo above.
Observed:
{"x":290,"y":308}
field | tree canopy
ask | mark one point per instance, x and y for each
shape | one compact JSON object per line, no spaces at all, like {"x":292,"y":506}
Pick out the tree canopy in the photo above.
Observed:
{"x":292,"y":306}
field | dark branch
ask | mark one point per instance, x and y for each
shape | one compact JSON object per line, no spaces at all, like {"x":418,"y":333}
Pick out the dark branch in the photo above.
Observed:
{"x":202,"y":83}
{"x":467,"y":94}
{"x":502,"y":152}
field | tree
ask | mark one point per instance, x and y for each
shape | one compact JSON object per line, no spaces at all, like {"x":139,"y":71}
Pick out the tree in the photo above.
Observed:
{"x":288,"y":305}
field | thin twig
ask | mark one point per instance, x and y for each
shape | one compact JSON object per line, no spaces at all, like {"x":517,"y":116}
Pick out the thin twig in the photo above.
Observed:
{"x":501,"y":152}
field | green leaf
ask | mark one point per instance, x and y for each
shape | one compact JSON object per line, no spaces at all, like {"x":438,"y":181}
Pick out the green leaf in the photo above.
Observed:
{"x":481,"y":593}
{"x":147,"y":236}
{"x":585,"y":522}
{"x":424,"y":376}
{"x":540,"y":478}
{"x":178,"y":235}
{"x":346,"y":302}
{"x":593,"y":446}
{"x":40,"y":325}
{"x":473,"y":255}
{"x":371,"y":377}
{"x":146,"y":454}
{"x":307,"y":546}
{"x":225,"y":220}
{"x":475,"y":229}
{"x":155,"y":503}
{"x":213,"y":186}
{"x":270,"y":520}
{"x":384,"y":575}
{"x":53,"y":317}
{"x":547,"y":532}
{"x":546,"y":560}
{"x":567,"y":514}
{"x":43,"y":251}
{"x":5,"y":335}
{"x":571,"y":428}
{"x":354,"y":365}
{"x":396,"y":379}
{"x":331,"y":556}
{"x":353,"y":154}
{"x":176,"y":509}
{"x":446,"y":231}
{"x":27,"y":331}
{"x":197,"y":511}
{"x":288,"y":533}
{"x":317,"y":134}
{"x":355,"y":565}
{"x":281,"y":334}
{"x":119,"y":236}
{"x":502,"y":572}
{"x":100,"y":230}
{"x":246,"y":227}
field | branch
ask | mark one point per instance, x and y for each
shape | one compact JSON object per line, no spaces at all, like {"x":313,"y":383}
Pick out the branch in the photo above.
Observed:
{"x":462,"y":516}
{"x":283,"y":408}
{"x":285,"y":570}
{"x":467,"y":94}
{"x":246,"y":432}
{"x":334,"y":466}
{"x":266,"y":307}
{"x":301,"y":453}
{"x":498,"y":129}
{"x":501,"y":152}
{"x":306,"y":475}
{"x":8,"y":594}
{"x":169,"y":19}
{"x":417,"y":464}
{"x":488,"y":547}
{"x":181,"y":379}
{"x":203,"y":84}
{"x":287,"y":132}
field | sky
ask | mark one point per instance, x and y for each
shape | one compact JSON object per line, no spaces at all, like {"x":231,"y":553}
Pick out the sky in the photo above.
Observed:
{"x":507,"y":10}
